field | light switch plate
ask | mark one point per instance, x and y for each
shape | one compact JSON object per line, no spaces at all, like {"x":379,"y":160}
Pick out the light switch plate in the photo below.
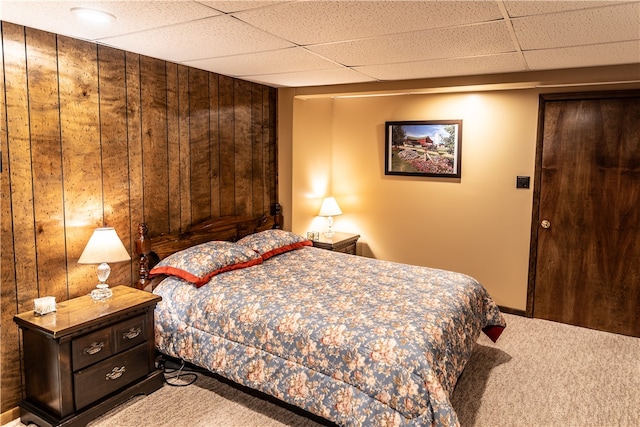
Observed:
{"x":523,"y":182}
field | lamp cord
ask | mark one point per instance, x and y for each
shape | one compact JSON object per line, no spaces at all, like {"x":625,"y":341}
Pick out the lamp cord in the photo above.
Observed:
{"x":178,"y":377}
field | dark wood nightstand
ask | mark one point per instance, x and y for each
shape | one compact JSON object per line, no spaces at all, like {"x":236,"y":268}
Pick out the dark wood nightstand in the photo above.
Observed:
{"x":340,"y":242}
{"x":88,"y":357}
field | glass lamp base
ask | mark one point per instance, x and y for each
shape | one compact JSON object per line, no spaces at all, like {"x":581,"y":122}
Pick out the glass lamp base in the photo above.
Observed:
{"x":329,"y":232}
{"x":101,"y":293}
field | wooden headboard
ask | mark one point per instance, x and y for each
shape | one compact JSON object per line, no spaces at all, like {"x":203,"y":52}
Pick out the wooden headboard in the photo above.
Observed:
{"x":151,"y":250}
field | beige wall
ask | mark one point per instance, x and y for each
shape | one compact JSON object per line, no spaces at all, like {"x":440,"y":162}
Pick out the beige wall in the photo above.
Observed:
{"x":479,"y":225}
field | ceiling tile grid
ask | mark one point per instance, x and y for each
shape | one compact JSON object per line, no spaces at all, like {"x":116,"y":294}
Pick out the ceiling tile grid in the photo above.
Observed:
{"x":238,"y":5}
{"x":490,"y":64}
{"x":462,"y":41}
{"x":223,"y":36}
{"x":334,"y":76}
{"x":584,"y":27}
{"x":517,"y":8}
{"x":313,"y":42}
{"x":585,"y":56}
{"x":318,"y":22}
{"x":288,"y":60}
{"x":131,"y":16}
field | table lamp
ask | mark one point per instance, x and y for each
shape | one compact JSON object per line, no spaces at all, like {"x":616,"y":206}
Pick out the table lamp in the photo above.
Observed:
{"x":329,"y":209}
{"x":103,"y":247}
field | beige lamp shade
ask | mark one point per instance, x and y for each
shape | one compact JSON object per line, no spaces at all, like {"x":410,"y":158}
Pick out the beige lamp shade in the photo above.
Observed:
{"x":104,"y":246}
{"x":329,"y":207}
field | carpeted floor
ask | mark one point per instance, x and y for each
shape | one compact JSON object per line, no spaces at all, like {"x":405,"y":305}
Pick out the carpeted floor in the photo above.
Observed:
{"x":543,"y":373}
{"x":539,"y":374}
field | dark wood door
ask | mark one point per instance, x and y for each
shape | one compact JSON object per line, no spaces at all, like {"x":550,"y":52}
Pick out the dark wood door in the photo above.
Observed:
{"x":586,"y":240}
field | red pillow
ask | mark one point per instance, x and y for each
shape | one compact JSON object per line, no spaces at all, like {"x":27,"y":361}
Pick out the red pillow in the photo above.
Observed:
{"x":269,"y":243}
{"x":198,"y":264}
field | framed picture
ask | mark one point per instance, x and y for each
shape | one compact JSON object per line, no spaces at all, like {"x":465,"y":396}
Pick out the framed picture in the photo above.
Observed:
{"x":423,"y":148}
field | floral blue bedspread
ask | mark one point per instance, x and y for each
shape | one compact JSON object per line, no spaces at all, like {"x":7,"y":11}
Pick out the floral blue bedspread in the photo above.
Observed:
{"x":357,"y":341}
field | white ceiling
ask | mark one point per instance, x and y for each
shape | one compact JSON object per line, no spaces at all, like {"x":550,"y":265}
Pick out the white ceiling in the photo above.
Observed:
{"x":315,"y":43}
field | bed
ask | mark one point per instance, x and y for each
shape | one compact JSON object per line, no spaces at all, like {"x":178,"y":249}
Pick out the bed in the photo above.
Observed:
{"x":353,"y":340}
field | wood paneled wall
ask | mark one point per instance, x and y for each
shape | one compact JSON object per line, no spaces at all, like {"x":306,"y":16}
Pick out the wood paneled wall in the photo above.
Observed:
{"x":94,"y":136}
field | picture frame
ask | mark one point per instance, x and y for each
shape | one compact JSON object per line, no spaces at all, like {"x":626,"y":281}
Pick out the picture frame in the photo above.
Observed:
{"x":429,"y":148}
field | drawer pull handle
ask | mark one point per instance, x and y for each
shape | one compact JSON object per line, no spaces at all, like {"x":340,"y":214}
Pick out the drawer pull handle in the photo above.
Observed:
{"x":115,"y":373}
{"x":94,"y":348}
{"x":132,"y":333}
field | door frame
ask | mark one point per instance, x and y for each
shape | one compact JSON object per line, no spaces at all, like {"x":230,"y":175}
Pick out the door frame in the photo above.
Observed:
{"x":537,"y":179}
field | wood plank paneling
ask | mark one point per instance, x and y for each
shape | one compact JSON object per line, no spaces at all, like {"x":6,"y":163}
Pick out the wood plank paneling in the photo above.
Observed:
{"x":214,"y":143}
{"x":257,"y":150}
{"x":185,"y":152}
{"x":134,"y":145}
{"x":243,"y":148}
{"x":10,"y":381}
{"x":20,"y":172}
{"x":96,"y":136}
{"x":154,"y":143}
{"x":81,"y":155}
{"x":271,"y":147}
{"x":46,"y":160}
{"x":227,"y":145}
{"x":113,"y":141}
{"x":199,"y":145}
{"x":173,"y":147}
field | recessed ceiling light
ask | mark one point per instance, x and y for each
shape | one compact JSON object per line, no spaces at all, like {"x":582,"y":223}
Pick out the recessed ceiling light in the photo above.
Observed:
{"x":93,"y":15}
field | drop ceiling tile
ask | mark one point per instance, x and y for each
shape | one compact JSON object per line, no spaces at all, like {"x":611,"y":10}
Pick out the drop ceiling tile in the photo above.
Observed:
{"x":591,"y":26}
{"x":470,"y":40}
{"x":329,"y":21}
{"x":274,"y":61}
{"x":585,"y":56}
{"x":131,"y":16}
{"x":490,"y":64}
{"x":207,"y":38}
{"x":311,"y":78}
{"x":526,"y":8}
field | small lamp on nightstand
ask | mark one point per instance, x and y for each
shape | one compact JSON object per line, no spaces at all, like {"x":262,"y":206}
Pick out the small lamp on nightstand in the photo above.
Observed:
{"x":103,"y":247}
{"x":329,"y":209}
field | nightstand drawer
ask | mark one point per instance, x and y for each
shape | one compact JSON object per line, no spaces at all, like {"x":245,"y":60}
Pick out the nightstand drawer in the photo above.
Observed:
{"x":91,"y":348}
{"x":130,"y":333}
{"x":99,"y":380}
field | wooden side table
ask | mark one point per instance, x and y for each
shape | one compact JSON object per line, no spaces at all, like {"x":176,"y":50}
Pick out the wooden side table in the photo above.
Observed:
{"x":88,"y":357}
{"x":340,"y":242}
